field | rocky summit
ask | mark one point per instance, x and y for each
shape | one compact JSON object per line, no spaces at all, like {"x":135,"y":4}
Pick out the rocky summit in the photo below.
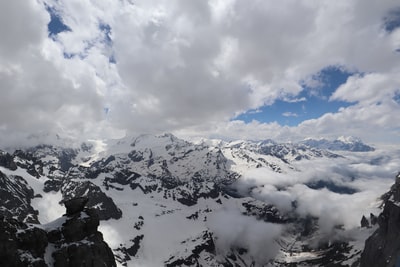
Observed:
{"x":72,"y":240}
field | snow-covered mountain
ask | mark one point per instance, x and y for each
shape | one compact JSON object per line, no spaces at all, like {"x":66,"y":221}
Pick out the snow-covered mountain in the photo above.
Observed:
{"x":163,"y":201}
{"x":342,"y":143}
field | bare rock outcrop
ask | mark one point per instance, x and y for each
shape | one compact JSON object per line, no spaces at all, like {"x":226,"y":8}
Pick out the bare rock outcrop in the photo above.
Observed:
{"x":70,"y":241}
{"x":383,"y":247}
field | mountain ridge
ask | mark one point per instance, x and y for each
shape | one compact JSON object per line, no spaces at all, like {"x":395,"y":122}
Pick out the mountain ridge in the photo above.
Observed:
{"x":341,"y":143}
{"x":143,"y":184}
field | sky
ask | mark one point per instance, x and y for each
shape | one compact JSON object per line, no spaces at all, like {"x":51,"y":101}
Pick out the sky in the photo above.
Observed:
{"x":229,"y":69}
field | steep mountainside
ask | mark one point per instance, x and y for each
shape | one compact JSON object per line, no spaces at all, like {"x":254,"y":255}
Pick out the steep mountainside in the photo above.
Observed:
{"x":72,"y":240}
{"x":162,"y":201}
{"x":383,"y":247}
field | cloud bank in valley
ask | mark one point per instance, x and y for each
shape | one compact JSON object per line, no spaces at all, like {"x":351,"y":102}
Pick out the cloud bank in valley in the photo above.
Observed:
{"x":350,"y":187}
{"x":191,"y":67}
{"x":232,"y":230}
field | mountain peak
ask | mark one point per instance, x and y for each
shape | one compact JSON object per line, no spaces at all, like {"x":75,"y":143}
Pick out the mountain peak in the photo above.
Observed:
{"x":344,"y":143}
{"x":349,"y":139}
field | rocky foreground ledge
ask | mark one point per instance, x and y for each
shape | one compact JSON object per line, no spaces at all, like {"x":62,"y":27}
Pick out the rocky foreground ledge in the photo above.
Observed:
{"x":72,"y":240}
{"x":383,"y":247}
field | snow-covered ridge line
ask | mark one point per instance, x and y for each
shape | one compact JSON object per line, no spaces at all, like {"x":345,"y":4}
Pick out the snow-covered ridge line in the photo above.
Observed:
{"x":212,"y":203}
{"x":343,"y":143}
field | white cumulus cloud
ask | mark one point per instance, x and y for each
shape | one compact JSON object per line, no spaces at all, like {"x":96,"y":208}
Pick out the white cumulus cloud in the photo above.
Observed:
{"x":190,"y":67}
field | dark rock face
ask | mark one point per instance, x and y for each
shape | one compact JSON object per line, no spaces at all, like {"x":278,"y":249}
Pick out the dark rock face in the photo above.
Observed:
{"x":262,"y":211}
{"x":75,"y":205}
{"x":21,"y":245}
{"x":383,"y":247}
{"x":373,"y":219}
{"x":7,"y":161}
{"x":105,"y":206}
{"x":15,"y":199}
{"x":27,"y":161}
{"x":129,"y":252}
{"x":78,"y":243}
{"x":72,"y":240}
{"x":64,"y":156}
{"x":364,"y":222}
{"x":206,"y":245}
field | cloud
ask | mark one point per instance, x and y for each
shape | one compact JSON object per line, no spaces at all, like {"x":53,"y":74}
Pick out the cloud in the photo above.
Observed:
{"x":238,"y":129}
{"x":232,"y":230}
{"x":37,"y":95}
{"x":46,"y":213}
{"x":175,"y":66}
{"x":19,"y":33}
{"x":371,"y":121}
{"x":370,"y":174}
{"x":290,"y":114}
{"x":295,"y":100}
{"x":370,"y":88}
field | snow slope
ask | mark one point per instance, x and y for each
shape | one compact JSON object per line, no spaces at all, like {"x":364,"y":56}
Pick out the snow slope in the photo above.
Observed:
{"x":164,"y":201}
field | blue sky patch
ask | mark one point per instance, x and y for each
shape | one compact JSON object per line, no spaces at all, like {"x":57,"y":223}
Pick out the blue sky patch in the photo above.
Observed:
{"x":56,"y":25}
{"x":396,"y":97}
{"x":106,"y":30}
{"x":313,"y":102}
{"x":68,"y":55}
{"x":392,"y":20}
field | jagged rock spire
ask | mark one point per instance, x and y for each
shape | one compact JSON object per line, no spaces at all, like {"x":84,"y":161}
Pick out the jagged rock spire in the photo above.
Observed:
{"x":75,"y":205}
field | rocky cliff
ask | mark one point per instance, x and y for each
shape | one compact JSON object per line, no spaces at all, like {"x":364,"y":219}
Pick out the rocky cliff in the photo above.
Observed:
{"x":72,"y":240}
{"x":383,"y":247}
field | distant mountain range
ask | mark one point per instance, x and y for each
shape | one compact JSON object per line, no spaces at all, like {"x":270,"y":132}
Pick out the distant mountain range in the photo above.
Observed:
{"x":342,"y":143}
{"x":163,"y":201}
